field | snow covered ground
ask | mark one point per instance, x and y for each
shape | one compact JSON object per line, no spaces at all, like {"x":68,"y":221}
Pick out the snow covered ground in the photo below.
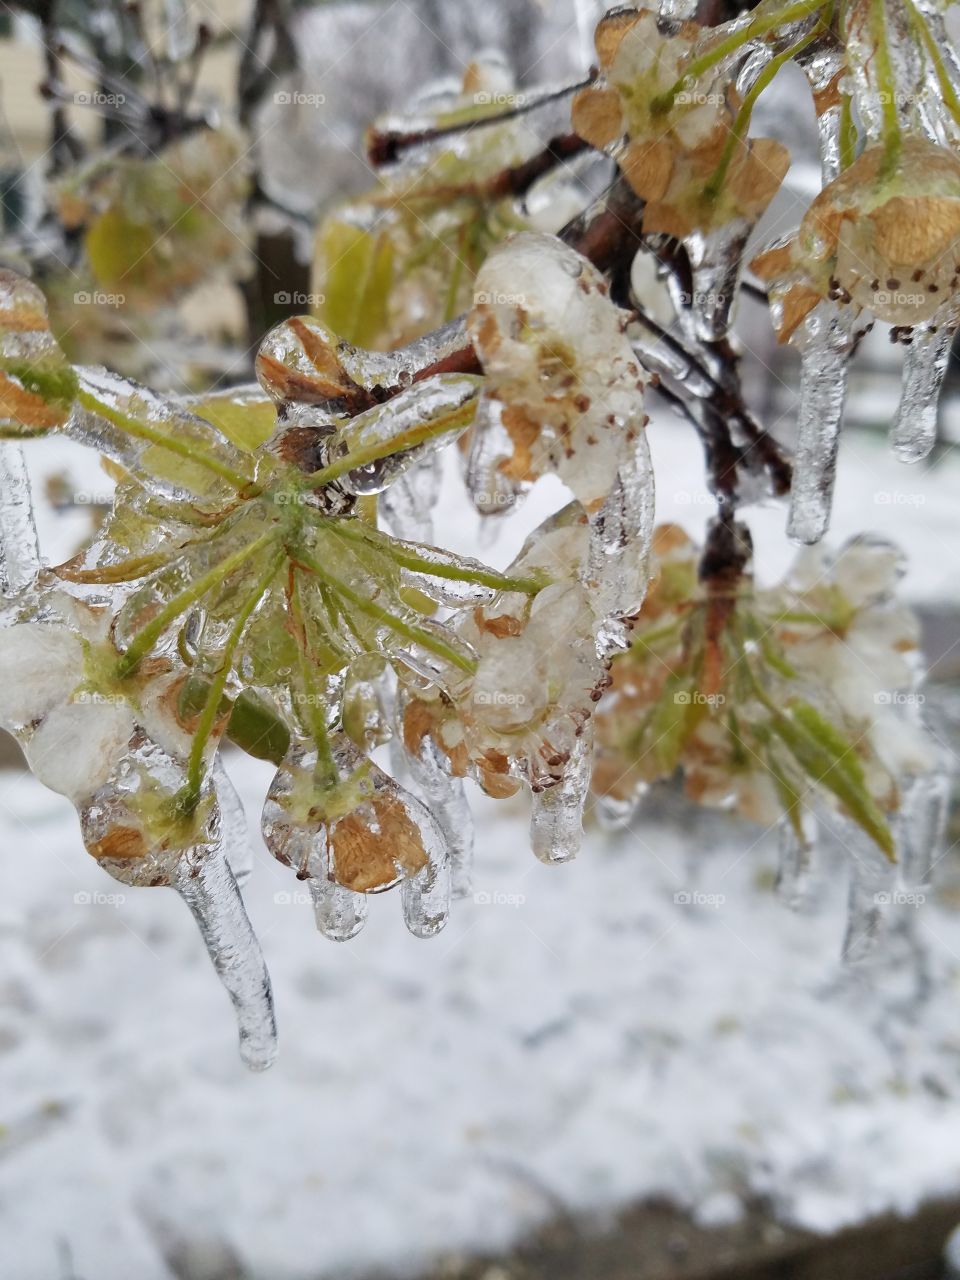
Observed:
{"x":578,"y":1038}
{"x":649,"y":1020}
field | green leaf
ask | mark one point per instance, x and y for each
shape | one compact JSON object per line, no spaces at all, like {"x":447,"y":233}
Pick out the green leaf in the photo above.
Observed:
{"x":831,"y":761}
{"x":355,"y":279}
{"x":675,"y":718}
{"x":246,"y":418}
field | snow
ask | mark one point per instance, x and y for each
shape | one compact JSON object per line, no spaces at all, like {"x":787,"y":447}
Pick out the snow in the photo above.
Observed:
{"x":575,"y":1040}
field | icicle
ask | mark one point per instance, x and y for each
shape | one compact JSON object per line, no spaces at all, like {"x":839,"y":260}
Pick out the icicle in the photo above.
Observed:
{"x":825,"y":343}
{"x":822,"y":62}
{"x":914,"y":431}
{"x":921,"y":828}
{"x":795,"y":864}
{"x":407,"y":505}
{"x":340,"y":913}
{"x":209,"y":889}
{"x":447,"y":801}
{"x":492,"y":490}
{"x":556,"y":822}
{"x":715,"y":262}
{"x":234,"y":836}
{"x":425,"y":897}
{"x":620,"y":534}
{"x":872,"y":878}
{"x":19,"y":549}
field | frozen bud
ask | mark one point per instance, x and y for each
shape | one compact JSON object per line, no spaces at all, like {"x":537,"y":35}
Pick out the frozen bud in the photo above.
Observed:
{"x":669,"y":129}
{"x":37,"y":385}
{"x":560,"y":372}
{"x":886,"y":242}
{"x":41,"y":663}
{"x":78,"y":746}
{"x":368,"y":833}
{"x":511,"y":686}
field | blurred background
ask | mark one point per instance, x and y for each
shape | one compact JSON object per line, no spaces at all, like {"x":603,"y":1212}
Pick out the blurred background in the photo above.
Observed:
{"x":637,"y":1067}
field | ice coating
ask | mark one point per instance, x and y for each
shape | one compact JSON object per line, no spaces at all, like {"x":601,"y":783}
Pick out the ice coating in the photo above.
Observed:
{"x":922,"y":827}
{"x":715,"y":261}
{"x":447,"y":801}
{"x":559,"y":364}
{"x":208,"y":887}
{"x":872,"y":880}
{"x":825,"y":345}
{"x":796,"y":860}
{"x":19,"y":549}
{"x":927,"y":355}
{"x":524,"y":716}
{"x":350,"y":829}
{"x":237,"y":848}
{"x":557,"y":812}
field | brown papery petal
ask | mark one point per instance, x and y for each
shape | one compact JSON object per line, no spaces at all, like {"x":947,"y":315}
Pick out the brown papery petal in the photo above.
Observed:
{"x":596,"y":116}
{"x":365,"y":859}
{"x":914,"y":229}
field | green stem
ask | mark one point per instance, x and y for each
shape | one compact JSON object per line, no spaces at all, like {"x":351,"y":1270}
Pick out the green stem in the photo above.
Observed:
{"x":758,"y":27}
{"x":947,"y":91}
{"x":190,"y":795}
{"x":407,"y":559}
{"x":456,"y":420}
{"x":373,"y":610}
{"x":326,"y":765}
{"x":848,"y":133}
{"x":892,"y":139}
{"x":742,"y":122}
{"x":146,"y":638}
{"x":182,"y":448}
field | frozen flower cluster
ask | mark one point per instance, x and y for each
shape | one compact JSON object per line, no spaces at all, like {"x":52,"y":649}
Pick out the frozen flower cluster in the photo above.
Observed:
{"x":771,"y":702}
{"x":268,"y":574}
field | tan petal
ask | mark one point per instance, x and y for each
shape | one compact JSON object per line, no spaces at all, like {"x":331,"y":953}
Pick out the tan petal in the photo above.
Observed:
{"x":756,"y":180}
{"x":597,"y":117}
{"x":648,"y":167}
{"x":365,"y":858}
{"x":915,"y":229}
